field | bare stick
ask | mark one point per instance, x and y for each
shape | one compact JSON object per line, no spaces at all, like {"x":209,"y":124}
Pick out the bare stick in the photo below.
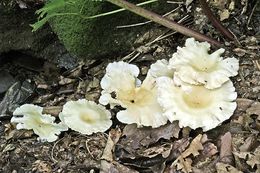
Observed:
{"x":163,"y":21}
{"x":215,"y":21}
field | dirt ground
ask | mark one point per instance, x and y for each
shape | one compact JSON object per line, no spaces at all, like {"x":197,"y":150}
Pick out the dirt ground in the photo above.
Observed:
{"x":232,"y":147}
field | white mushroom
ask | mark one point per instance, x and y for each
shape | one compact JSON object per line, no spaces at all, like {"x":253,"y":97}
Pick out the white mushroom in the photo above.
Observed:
{"x":194,"y":65}
{"x":85,"y":116}
{"x":42,"y":124}
{"x":194,"y":105}
{"x":161,"y":68}
{"x":140,"y":101}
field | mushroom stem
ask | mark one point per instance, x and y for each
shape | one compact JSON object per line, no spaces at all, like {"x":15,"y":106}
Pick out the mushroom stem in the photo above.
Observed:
{"x":164,"y":21}
{"x":216,"y":23}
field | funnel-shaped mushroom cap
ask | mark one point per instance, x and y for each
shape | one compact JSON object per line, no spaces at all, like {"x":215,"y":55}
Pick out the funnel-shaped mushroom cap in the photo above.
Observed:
{"x":194,"y":65}
{"x":194,"y":105}
{"x":85,"y":116}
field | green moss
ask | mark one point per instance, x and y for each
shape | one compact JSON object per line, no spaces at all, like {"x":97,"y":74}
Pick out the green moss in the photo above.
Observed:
{"x":98,"y":37}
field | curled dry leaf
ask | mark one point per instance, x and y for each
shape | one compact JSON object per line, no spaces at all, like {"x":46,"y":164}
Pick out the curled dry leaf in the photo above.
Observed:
{"x":137,"y":137}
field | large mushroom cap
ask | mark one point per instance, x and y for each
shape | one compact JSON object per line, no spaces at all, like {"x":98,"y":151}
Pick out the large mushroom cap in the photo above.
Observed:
{"x":85,"y":116}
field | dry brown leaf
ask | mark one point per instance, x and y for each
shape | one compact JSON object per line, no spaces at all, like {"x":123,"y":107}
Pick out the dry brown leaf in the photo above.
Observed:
{"x":226,"y":148}
{"x":243,"y":104}
{"x":114,"y":135}
{"x":224,"y":14}
{"x":107,"y":164}
{"x":194,"y":147}
{"x":209,"y":149}
{"x":254,"y":109}
{"x":164,"y":150}
{"x":242,"y":155}
{"x":249,"y":142}
{"x":254,"y":159}
{"x":226,"y":168}
{"x":115,"y":167}
{"x":183,"y":163}
{"x":137,"y":137}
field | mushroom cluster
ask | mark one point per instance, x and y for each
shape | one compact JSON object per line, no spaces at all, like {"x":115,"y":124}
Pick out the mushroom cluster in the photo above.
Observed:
{"x":193,"y":88}
{"x":200,"y":94}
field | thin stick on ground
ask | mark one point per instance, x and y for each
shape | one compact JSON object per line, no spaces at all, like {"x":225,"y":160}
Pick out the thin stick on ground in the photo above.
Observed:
{"x":216,"y":23}
{"x":163,"y":21}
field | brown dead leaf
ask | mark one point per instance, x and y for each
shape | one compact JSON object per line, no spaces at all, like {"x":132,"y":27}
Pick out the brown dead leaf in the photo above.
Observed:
{"x":194,"y":147}
{"x":178,"y":147}
{"x":226,"y":168}
{"x":108,"y":165}
{"x":113,"y":138}
{"x":249,"y":142}
{"x":151,"y":152}
{"x":243,"y":104}
{"x":254,"y":109}
{"x":254,"y":158}
{"x":182,"y":162}
{"x":209,"y":149}
{"x":226,"y":148}
{"x":115,"y":167}
{"x":224,"y":14}
{"x":137,"y":137}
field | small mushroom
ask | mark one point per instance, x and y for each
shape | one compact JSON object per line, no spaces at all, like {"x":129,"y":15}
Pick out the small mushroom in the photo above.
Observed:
{"x":121,"y":87}
{"x":194,"y":65}
{"x":85,"y":116}
{"x":42,"y":124}
{"x":194,"y":105}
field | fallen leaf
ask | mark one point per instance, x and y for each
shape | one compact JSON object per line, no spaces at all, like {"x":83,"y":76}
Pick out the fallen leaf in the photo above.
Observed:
{"x":254,"y":109}
{"x":209,"y":149}
{"x":226,"y":168}
{"x":151,"y":152}
{"x":137,"y":137}
{"x":115,"y":167}
{"x":194,"y":147}
{"x":184,"y":164}
{"x":113,"y":138}
{"x":254,"y":158}
{"x":249,"y":142}
{"x":224,"y":14}
{"x":226,"y":148}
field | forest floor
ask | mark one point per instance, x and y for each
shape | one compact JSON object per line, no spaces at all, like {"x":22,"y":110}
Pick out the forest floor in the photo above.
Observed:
{"x":229,"y":148}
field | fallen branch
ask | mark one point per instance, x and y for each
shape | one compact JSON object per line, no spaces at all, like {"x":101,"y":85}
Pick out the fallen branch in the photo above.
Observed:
{"x":163,"y":21}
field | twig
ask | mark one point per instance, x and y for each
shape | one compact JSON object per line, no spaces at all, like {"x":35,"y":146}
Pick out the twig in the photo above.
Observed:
{"x":149,"y":21}
{"x":163,"y":21}
{"x":215,"y":21}
{"x":251,"y":14}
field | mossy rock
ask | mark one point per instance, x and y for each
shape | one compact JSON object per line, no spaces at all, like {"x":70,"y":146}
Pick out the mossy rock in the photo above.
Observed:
{"x":99,"y":37}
